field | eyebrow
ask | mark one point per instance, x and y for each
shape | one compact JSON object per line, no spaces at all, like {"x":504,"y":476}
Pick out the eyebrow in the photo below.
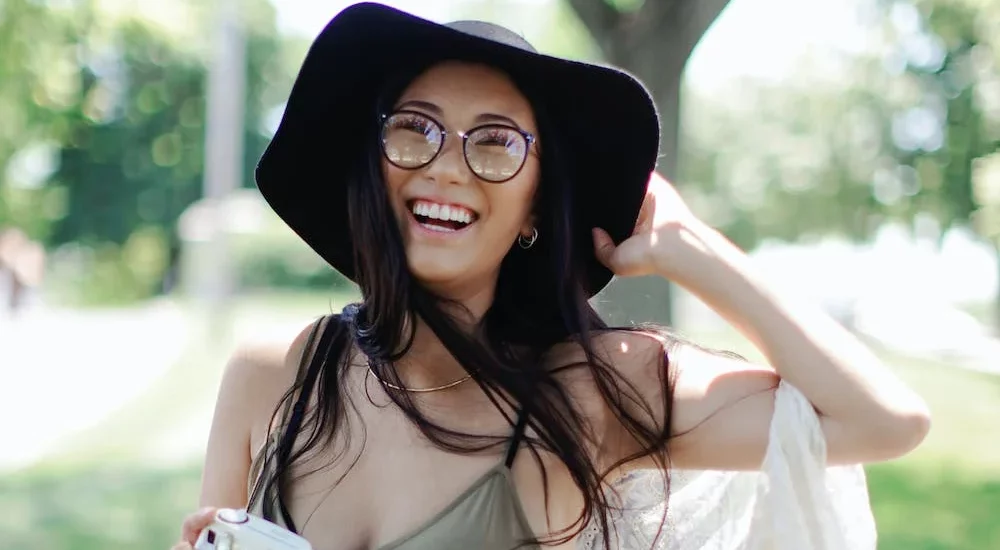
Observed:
{"x":482,"y":117}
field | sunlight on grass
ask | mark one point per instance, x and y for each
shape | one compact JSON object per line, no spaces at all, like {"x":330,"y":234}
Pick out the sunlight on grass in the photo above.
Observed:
{"x":186,"y":393}
{"x":109,"y":508}
{"x":934,"y":507}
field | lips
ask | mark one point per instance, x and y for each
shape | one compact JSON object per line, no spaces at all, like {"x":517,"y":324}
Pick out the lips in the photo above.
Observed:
{"x":442,"y":217}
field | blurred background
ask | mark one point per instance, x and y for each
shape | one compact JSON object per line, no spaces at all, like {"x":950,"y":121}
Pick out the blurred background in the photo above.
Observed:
{"x":852,"y":146}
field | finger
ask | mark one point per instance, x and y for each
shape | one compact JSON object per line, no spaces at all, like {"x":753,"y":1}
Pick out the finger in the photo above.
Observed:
{"x":195,"y":523}
{"x":182,"y":546}
{"x":604,"y":247}
{"x":645,"y":218}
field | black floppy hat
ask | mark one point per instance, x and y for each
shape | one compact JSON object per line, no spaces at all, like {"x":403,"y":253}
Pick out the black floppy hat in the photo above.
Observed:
{"x":608,"y":121}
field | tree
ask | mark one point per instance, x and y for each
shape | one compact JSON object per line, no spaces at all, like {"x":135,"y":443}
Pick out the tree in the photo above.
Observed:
{"x":788,"y":161}
{"x":125,"y":119}
{"x":653,"y":40}
{"x":37,"y":69}
{"x":947,"y":133}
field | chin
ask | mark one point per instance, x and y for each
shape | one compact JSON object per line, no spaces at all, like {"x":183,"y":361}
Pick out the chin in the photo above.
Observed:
{"x":429,"y":272}
{"x":444,"y":272}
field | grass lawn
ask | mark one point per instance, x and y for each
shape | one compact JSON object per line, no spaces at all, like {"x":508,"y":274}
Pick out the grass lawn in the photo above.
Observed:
{"x":98,"y":495}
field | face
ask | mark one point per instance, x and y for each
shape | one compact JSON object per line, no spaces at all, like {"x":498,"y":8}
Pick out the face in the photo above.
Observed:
{"x":456,"y":220}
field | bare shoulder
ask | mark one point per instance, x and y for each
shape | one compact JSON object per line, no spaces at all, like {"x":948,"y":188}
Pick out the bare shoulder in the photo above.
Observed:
{"x":717,"y":405}
{"x":644,"y":358}
{"x":636,"y":359}
{"x":256,"y":365}
{"x":722,"y":407}
{"x":708,"y":380}
{"x":624,"y":350}
{"x":259,"y":373}
{"x":253,"y":382}
{"x":266,"y":370}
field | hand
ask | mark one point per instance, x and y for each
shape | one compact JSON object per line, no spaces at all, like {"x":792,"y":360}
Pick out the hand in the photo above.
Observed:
{"x":192,"y":527}
{"x":663,"y":214}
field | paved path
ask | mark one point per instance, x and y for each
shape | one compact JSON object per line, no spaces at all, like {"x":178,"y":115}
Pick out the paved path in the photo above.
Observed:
{"x":64,"y":371}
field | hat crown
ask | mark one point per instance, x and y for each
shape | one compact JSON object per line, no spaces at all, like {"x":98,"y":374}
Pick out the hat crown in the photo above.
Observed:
{"x":491,"y":31}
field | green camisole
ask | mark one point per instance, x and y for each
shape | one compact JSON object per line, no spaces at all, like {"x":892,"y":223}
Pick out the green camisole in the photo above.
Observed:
{"x":486,"y":516}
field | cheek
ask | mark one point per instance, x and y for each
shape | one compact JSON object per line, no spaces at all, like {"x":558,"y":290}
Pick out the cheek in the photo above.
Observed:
{"x":394,"y":179}
{"x":511,"y":206}
{"x":525,"y":195}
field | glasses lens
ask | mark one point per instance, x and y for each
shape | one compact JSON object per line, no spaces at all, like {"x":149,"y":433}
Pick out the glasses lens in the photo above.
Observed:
{"x":496,"y":153}
{"x":410,"y":140}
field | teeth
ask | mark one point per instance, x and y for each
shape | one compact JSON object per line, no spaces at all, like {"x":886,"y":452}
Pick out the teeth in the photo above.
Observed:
{"x":438,"y":228}
{"x":442,"y":212}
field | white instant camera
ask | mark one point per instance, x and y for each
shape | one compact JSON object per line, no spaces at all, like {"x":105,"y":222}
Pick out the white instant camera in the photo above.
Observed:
{"x":235,"y":529}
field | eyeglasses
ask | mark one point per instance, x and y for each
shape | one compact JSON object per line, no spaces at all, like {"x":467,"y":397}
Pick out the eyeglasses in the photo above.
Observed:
{"x":493,"y":152}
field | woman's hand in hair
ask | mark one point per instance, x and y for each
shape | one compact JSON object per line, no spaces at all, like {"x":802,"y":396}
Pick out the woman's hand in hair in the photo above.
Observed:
{"x":663,"y":218}
{"x":867,"y":413}
{"x":192,"y":527}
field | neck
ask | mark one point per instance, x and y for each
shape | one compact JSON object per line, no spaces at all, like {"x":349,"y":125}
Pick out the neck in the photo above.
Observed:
{"x":428,"y":363}
{"x":467,"y":304}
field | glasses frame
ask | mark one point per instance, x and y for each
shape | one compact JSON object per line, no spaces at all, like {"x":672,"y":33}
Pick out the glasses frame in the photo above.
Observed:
{"x":529,"y":140}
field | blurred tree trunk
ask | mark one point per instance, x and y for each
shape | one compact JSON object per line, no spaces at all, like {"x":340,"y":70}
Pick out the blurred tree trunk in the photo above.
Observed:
{"x":652,"y":41}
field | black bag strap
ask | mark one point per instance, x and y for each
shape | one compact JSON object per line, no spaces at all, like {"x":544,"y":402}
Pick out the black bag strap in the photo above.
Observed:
{"x":316,"y":362}
{"x":315,"y":356}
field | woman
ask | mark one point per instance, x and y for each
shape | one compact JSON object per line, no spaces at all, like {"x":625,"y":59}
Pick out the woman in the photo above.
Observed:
{"x":480,"y":193}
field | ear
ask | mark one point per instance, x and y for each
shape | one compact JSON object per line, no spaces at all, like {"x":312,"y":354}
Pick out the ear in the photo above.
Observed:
{"x":529,"y":225}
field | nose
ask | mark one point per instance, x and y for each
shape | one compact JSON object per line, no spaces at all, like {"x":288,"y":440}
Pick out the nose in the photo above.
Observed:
{"x":449,"y":166}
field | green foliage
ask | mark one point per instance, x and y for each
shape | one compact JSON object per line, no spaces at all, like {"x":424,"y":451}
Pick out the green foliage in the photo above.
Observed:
{"x":933,"y":508}
{"x":969,"y":72}
{"x":133,"y":150}
{"x":36,"y":81}
{"x":282,"y":261}
{"x":897,"y":138}
{"x":785,"y":161}
{"x":107,"y":273}
{"x":119,"y":105}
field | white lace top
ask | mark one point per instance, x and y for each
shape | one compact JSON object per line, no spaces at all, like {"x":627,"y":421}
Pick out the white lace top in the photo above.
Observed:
{"x":795,"y":502}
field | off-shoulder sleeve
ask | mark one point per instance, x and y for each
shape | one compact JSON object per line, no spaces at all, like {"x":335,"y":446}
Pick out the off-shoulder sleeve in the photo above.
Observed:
{"x":795,"y":501}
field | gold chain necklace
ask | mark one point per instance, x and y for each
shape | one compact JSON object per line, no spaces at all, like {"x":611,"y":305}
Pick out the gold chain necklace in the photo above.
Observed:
{"x":417,"y":390}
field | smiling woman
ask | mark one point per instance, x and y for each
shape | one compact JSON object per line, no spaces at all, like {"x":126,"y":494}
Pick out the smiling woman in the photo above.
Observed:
{"x":480,"y":194}
{"x":427,"y":166}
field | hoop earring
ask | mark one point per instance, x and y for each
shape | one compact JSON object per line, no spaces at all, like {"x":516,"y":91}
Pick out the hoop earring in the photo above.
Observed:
{"x":528,"y":242}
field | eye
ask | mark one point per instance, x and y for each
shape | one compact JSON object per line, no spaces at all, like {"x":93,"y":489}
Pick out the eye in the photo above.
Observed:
{"x":496,"y":137}
{"x":411,"y":122}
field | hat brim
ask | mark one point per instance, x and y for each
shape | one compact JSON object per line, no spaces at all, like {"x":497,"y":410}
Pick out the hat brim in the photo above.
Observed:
{"x":607,"y":118}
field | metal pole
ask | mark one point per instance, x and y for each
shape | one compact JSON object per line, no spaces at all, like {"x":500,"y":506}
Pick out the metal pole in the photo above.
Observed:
{"x":224,"y":125}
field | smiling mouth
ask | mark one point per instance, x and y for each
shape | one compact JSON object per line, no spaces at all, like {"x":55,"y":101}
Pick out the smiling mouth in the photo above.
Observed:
{"x":443,"y":218}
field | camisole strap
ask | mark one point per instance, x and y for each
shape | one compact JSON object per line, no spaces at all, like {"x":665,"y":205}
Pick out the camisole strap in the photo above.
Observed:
{"x":311,"y":364}
{"x":518,"y":435}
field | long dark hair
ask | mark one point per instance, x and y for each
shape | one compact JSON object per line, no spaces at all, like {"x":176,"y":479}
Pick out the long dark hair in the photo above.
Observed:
{"x":505,"y":355}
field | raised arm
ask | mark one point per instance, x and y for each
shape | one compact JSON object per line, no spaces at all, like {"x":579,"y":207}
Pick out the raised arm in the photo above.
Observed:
{"x":722,"y":406}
